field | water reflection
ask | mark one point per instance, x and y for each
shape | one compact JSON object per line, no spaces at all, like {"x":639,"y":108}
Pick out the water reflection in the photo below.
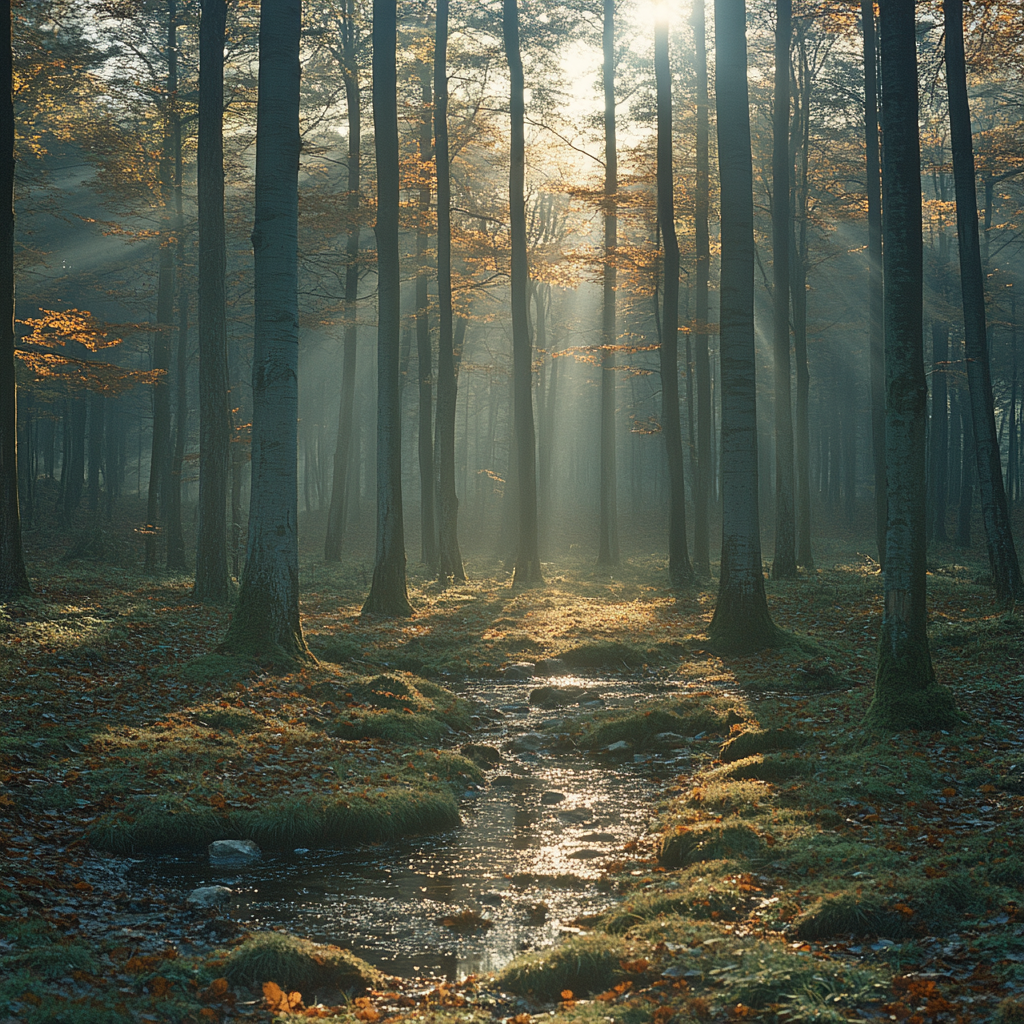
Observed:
{"x":526,"y":862}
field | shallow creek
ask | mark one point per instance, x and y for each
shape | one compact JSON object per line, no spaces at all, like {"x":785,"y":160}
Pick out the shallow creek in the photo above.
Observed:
{"x":527,"y":856}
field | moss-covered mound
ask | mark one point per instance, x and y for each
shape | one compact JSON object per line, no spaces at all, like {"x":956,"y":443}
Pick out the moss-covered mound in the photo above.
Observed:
{"x":298,"y":965}
{"x":759,"y":741}
{"x":685,"y":718}
{"x":617,"y":656}
{"x":708,"y":842}
{"x":582,"y":965}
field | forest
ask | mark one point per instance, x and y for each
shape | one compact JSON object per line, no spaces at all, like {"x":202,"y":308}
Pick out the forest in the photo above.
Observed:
{"x":508,"y":511}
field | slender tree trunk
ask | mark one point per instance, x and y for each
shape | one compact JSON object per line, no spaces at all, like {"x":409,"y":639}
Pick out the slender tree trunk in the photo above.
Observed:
{"x":705,"y":466}
{"x":388,"y":595}
{"x":160,"y":452}
{"x":784,"y":562}
{"x":680,"y":571}
{"x":939,"y":454}
{"x":608,"y":528}
{"x":906,"y":694}
{"x":96,"y":418}
{"x":876,"y":341}
{"x":175,"y":535}
{"x":424,"y":356}
{"x":338,"y":509}
{"x":266,"y":620}
{"x":1002,"y":554}
{"x":968,"y":472}
{"x":212,"y":585}
{"x":72,"y":470}
{"x":527,"y":568}
{"x":449,"y":555}
{"x":13,"y":577}
{"x":741,"y":623}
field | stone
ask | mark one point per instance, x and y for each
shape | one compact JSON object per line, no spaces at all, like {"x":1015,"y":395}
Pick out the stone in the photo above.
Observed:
{"x":551,"y":797}
{"x":668,"y":741}
{"x":482,"y":754}
{"x":619,"y":749}
{"x":207,"y":896}
{"x":552,"y":667}
{"x":233,"y":851}
{"x":528,"y":743}
{"x":585,"y":855}
{"x":520,"y":671}
{"x":556,"y":696}
{"x":503,"y":780}
{"x":576,"y":815}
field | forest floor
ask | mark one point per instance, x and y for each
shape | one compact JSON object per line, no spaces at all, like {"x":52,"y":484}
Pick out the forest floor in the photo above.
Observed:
{"x":802,"y":870}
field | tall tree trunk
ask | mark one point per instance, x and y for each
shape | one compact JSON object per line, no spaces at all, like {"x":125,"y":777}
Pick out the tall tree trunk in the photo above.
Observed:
{"x":449,"y":556}
{"x":876,"y":340}
{"x":608,"y":527}
{"x":906,"y":693}
{"x":1002,"y":554}
{"x":784,"y":561}
{"x":705,"y":466}
{"x":175,"y":535}
{"x":72,"y":470}
{"x":968,"y":471}
{"x":212,"y":585}
{"x":801,"y":135}
{"x":96,"y":417}
{"x":266,"y":620}
{"x":939,"y":439}
{"x":424,"y":356}
{"x":160,"y":451}
{"x":741,"y":623}
{"x":13,"y":577}
{"x":527,"y":568}
{"x":388,"y":595}
{"x":338,"y":509}
{"x":680,"y":571}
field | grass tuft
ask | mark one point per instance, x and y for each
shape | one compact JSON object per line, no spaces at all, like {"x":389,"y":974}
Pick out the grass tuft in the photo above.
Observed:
{"x":584,"y":965}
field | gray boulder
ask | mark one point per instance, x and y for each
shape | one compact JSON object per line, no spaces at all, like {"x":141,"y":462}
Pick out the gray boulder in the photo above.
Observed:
{"x":520,"y":671}
{"x":618,"y":750}
{"x":552,"y":667}
{"x":529,"y":742}
{"x":207,"y":896}
{"x":482,"y":754}
{"x":233,"y":851}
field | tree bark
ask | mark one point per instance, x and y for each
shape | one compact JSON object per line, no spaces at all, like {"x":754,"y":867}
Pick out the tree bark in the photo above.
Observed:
{"x":212,"y":584}
{"x":13,"y":577}
{"x":388,"y":595}
{"x":608,"y":526}
{"x":680,"y":571}
{"x":906,"y":694}
{"x":705,"y":466}
{"x":527,"y":566}
{"x":266,"y":620}
{"x":939,"y":438}
{"x":338,"y":509}
{"x":876,"y":341}
{"x":449,"y":556}
{"x":784,"y":561}
{"x":741,"y":623}
{"x":1002,"y":554}
{"x":424,"y":356}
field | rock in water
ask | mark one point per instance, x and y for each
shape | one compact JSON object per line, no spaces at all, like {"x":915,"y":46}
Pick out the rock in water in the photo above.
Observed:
{"x":519,"y":671}
{"x":482,"y":754}
{"x":233,"y":851}
{"x":552,"y":667}
{"x":528,"y":742}
{"x":207,"y":896}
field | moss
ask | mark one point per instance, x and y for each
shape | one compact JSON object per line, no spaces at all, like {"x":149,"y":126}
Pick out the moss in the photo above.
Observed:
{"x":770,"y":768}
{"x":709,"y":842}
{"x":852,"y":913}
{"x":1009,"y":1011}
{"x":155,"y":825}
{"x":760,"y":741}
{"x":616,"y":655}
{"x":339,"y":651}
{"x":298,"y":965}
{"x":211,"y":668}
{"x":257,"y":630}
{"x":584,"y":965}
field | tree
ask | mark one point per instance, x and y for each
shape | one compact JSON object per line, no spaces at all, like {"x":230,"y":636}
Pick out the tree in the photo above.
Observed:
{"x":449,"y":557}
{"x":679,"y":569}
{"x":1002,"y":554}
{"x":527,"y":564}
{"x":876,"y":340}
{"x":702,"y":361}
{"x":212,"y":582}
{"x":906,"y":693}
{"x":266,"y":620}
{"x":608,"y":528}
{"x":784,"y":562}
{"x":388,"y":595}
{"x":351,"y":43}
{"x":741,"y":623}
{"x":13,"y":577}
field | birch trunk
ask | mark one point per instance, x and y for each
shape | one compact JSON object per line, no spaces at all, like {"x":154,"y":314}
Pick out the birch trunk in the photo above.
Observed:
{"x":741,"y":623}
{"x":266,"y":620}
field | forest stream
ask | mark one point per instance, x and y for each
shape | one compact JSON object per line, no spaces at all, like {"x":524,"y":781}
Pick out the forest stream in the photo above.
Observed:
{"x":523,"y":868}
